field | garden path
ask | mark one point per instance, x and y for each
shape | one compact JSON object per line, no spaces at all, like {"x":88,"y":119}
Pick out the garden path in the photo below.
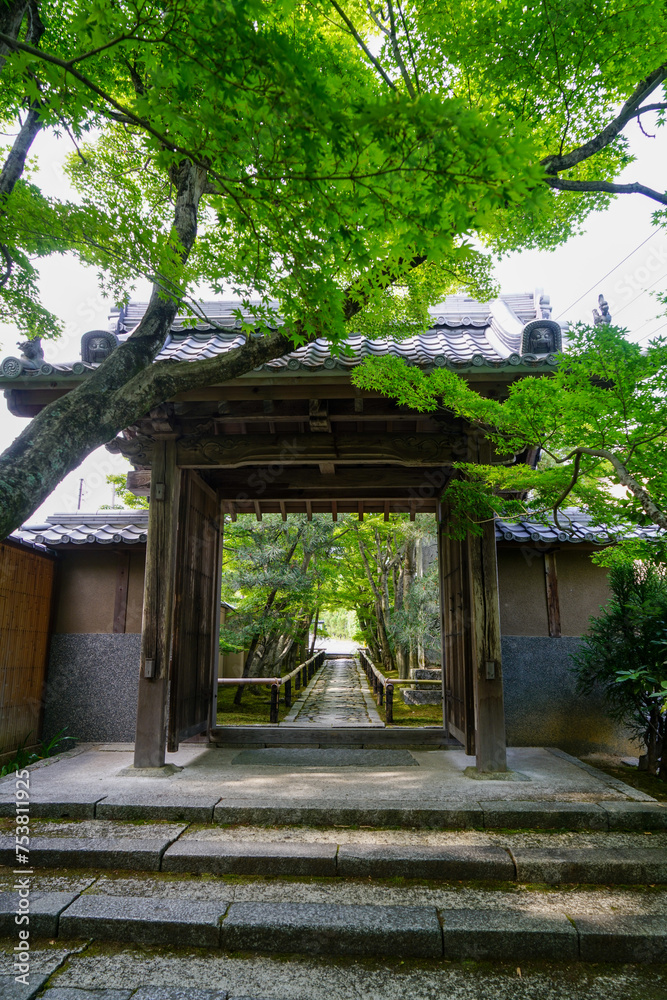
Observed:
{"x":339,"y":696}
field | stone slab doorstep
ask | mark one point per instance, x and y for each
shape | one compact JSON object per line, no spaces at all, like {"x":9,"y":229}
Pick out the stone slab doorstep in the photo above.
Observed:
{"x":73,"y":993}
{"x":636,"y":815}
{"x":331,"y":929}
{"x":609,"y":780}
{"x":622,"y":866}
{"x":453,"y":863}
{"x":143,"y":920}
{"x":507,"y":934}
{"x":216,"y":858}
{"x":249,"y":813}
{"x":611,"y":938}
{"x":78,"y":805}
{"x":543,"y":815}
{"x":45,"y":908}
{"x":90,"y":852}
{"x":11,"y":990}
{"x":193,"y":809}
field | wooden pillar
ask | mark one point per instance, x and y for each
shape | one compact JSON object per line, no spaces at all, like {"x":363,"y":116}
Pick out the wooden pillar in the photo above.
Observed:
{"x":217,"y":588}
{"x":443,"y":616}
{"x":157,"y":627}
{"x":486,"y":650}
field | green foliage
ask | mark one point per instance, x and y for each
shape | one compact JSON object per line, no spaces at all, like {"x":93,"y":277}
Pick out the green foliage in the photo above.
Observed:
{"x":123,"y":494}
{"x":599,"y":420}
{"x":341,"y":623}
{"x":23,"y":756}
{"x":625,"y":656}
{"x":329,"y":169}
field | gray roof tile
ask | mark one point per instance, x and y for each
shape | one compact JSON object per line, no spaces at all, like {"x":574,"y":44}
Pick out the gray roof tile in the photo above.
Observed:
{"x":115,"y":527}
{"x":464,"y":334}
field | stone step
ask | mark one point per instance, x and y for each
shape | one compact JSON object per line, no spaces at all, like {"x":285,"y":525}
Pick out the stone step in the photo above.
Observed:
{"x":421,"y":696}
{"x":607,"y":814}
{"x":332,"y":929}
{"x":550,"y":865}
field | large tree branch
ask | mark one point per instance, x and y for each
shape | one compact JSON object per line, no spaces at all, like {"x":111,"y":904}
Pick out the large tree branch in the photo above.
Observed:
{"x":361,"y":43}
{"x":14,"y":165}
{"x":554,"y":164}
{"x":648,"y":504}
{"x":606,"y":187}
{"x":12,"y":13}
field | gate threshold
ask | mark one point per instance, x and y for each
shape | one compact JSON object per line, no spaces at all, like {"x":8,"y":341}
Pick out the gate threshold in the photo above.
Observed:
{"x":426,"y":738}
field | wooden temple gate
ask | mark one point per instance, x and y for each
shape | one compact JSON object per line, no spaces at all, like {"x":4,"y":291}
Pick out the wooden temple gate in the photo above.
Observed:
{"x":330,"y":448}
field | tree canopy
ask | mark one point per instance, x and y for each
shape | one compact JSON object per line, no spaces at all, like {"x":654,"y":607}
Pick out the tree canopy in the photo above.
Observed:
{"x":334,"y":161}
{"x":599,"y":421}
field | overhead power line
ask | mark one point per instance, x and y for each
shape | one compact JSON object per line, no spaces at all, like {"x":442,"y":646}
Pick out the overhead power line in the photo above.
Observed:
{"x":605,"y":276}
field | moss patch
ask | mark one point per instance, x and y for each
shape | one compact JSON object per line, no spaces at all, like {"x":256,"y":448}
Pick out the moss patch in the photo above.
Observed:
{"x":255,"y":708}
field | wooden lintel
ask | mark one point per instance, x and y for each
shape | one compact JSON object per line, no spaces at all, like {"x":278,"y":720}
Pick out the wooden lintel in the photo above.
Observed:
{"x":235,"y":450}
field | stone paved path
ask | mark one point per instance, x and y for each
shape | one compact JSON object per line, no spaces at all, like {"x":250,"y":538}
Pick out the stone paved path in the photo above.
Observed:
{"x":340,"y":696}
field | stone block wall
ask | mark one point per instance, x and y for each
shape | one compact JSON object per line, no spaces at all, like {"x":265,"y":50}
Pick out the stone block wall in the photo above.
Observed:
{"x":542,"y":707}
{"x":91,"y":686}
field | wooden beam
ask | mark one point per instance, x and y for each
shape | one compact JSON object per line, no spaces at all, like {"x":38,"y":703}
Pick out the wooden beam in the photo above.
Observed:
{"x":157,"y":627}
{"x":306,"y":482}
{"x":236,"y":450}
{"x":258,"y":510}
{"x":386,"y":510}
{"x":327,"y":469}
{"x":334,"y":510}
{"x":412,"y":510}
{"x":361,"y":510}
{"x":120,"y":600}
{"x":309,"y":510}
{"x":283,"y":511}
{"x":553,"y":603}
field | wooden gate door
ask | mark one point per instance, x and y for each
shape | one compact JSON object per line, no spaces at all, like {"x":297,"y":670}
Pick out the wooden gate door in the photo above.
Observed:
{"x":456,"y":613}
{"x":194,"y":660}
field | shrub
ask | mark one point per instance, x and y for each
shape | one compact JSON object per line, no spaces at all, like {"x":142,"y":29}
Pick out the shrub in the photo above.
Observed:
{"x":625,"y":656}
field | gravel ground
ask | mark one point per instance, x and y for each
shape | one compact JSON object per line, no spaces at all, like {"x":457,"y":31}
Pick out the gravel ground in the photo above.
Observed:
{"x":258,"y":976}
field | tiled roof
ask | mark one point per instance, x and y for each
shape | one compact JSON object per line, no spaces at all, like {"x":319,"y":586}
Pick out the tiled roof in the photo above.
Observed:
{"x":465,"y":334}
{"x":131,"y":527}
{"x":575,"y":526}
{"x":106,"y":528}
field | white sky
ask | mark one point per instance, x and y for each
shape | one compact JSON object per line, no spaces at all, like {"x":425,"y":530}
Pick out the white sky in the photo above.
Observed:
{"x":71,"y":291}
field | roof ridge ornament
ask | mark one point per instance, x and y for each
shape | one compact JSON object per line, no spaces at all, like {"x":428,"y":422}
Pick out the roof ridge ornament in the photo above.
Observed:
{"x":97,"y":345}
{"x":541,"y":336}
{"x":602,"y":316}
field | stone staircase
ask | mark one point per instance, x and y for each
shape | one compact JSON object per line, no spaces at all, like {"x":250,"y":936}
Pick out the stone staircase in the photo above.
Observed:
{"x":576,"y":895}
{"x":426,"y":694}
